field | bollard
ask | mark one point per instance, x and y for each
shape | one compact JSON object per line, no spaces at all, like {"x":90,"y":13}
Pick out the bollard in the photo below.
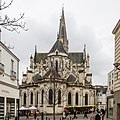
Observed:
{"x":60,"y":118}
{"x":70,"y":118}
{"x":46,"y":118}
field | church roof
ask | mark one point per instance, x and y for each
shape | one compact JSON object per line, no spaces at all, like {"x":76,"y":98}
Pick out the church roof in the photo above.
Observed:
{"x":37,"y":78}
{"x":51,"y":72}
{"x":57,"y":46}
{"x":76,"y":57}
{"x":71,"y":78}
{"x":40,"y":56}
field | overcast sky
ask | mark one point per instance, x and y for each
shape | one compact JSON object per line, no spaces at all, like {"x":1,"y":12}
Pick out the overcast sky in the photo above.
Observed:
{"x":88,"y":22}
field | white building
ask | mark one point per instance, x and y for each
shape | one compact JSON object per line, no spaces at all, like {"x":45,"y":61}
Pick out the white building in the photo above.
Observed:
{"x":100,"y":98}
{"x":110,"y":91}
{"x":9,"y":77}
{"x":69,"y":70}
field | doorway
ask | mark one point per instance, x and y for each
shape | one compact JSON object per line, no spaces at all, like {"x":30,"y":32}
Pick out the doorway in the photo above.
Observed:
{"x":118,"y":111}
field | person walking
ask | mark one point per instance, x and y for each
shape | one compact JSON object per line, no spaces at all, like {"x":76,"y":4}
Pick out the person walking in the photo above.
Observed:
{"x":75,"y":114}
{"x":27,"y":115}
{"x":92,"y":117}
{"x":35,"y":115}
{"x":97,"y":117}
{"x":85,"y":114}
{"x":102,"y":113}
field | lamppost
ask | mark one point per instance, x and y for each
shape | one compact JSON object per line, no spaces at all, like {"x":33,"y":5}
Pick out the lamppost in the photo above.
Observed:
{"x":117,"y":65}
{"x":53,"y":70}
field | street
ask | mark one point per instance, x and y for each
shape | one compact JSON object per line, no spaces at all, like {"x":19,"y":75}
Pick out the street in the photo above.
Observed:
{"x":58,"y":117}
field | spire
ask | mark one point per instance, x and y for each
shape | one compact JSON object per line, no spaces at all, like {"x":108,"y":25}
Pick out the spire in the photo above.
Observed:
{"x":62,"y":36}
{"x":35,"y":54}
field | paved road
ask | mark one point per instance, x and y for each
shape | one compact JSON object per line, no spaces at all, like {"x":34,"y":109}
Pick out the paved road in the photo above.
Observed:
{"x":59,"y":117}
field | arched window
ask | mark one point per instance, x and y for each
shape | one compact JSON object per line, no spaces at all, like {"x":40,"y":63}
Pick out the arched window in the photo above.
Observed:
{"x":76,"y":99}
{"x":59,"y":97}
{"x":42,"y":97}
{"x":56,"y":65}
{"x":50,"y":96}
{"x":24,"y":99}
{"x":31,"y":98}
{"x":86,"y":99}
{"x":69,"y":98}
{"x":36,"y":99}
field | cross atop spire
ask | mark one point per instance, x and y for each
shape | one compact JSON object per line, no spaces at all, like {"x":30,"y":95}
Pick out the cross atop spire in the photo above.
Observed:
{"x":62,"y":36}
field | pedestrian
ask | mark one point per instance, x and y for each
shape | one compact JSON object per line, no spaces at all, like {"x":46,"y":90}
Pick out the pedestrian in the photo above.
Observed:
{"x":85,"y":114}
{"x":92,"y":117}
{"x":64,"y":115}
{"x":102,"y":113}
{"x":97,"y":117}
{"x":35,"y":115}
{"x":27,"y":115}
{"x":75,"y":114}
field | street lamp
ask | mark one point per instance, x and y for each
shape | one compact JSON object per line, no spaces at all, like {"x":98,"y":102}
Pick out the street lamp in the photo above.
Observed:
{"x":54,"y":97}
{"x":117,"y":65}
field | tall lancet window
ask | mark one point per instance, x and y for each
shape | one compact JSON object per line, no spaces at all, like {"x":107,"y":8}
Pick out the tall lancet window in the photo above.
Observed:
{"x":69,"y":98}
{"x":86,"y":99}
{"x":50,"y":96}
{"x":59,"y":97}
{"x":24,"y":99}
{"x":76,"y":100}
{"x":42,"y":97}
{"x":56,"y":65}
{"x":36,"y":98}
{"x":31,"y":98}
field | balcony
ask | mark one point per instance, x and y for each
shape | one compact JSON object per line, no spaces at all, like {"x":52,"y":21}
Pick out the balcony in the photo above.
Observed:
{"x":1,"y":68}
{"x":12,"y":75}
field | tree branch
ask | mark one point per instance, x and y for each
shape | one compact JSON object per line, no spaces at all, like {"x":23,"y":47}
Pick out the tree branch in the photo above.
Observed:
{"x":12,"y":24}
{"x":4,"y":6}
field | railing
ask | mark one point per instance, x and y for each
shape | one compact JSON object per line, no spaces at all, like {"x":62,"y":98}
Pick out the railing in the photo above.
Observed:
{"x":1,"y":68}
{"x":12,"y":75}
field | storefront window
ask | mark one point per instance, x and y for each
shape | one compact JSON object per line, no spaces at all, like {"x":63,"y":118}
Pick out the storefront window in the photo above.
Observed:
{"x":110,"y":107}
{"x":1,"y":108}
{"x":10,"y":107}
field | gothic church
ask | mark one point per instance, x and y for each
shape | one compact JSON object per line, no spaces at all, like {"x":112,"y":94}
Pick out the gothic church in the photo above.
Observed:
{"x":59,"y":77}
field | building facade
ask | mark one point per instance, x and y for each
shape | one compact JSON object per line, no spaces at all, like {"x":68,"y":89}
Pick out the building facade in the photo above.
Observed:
{"x":110,"y":91}
{"x":59,"y":77}
{"x":116,"y":106}
{"x":100,"y":97}
{"x":9,"y":78}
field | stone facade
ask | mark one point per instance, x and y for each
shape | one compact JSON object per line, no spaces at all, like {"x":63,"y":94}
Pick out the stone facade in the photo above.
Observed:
{"x":116,"y":97}
{"x":58,"y":77}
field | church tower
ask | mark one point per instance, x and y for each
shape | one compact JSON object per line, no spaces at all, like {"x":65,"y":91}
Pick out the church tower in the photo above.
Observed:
{"x":62,"y":36}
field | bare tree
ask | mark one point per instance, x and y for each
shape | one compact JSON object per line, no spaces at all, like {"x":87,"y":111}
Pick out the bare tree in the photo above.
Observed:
{"x":56,"y":97}
{"x":8,"y":23}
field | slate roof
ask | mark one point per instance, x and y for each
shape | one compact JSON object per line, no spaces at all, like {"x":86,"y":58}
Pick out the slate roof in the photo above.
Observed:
{"x":71,"y":78}
{"x":40,"y":56}
{"x":103,"y":90}
{"x":76,"y":57}
{"x":37,"y":78}
{"x":58,"y":45}
{"x":52,"y":72}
